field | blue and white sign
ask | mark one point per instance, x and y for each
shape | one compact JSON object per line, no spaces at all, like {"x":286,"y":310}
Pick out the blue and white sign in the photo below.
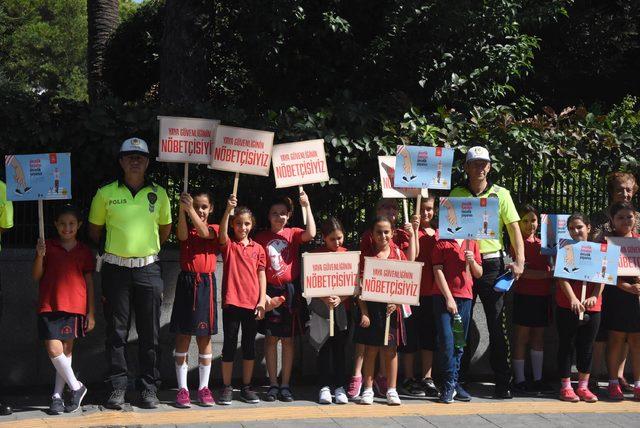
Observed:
{"x":423,"y":167}
{"x":587,"y":261}
{"x":43,"y":176}
{"x":468,"y":218}
{"x":553,"y":228}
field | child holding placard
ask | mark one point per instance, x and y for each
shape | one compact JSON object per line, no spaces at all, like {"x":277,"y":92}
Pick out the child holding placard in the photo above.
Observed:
{"x":621,"y":309}
{"x":371,"y":329}
{"x":64,"y":267}
{"x":284,"y":323}
{"x":385,"y":207}
{"x":243,"y":297}
{"x":420,"y":326}
{"x":334,"y":349}
{"x":531,"y":306}
{"x":573,"y":333}
{"x":194,"y":307}
{"x":455,"y":263}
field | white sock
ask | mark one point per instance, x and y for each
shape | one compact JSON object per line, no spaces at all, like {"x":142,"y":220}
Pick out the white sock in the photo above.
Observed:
{"x":537,"y":358}
{"x":63,"y":368}
{"x":390,"y":390}
{"x":58,"y":389}
{"x":181,"y":375}
{"x":518,"y":370}
{"x":204,"y":371}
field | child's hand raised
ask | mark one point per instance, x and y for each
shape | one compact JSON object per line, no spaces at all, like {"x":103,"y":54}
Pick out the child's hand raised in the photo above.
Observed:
{"x":415,"y":222}
{"x":41,"y":248}
{"x":186,"y":202}
{"x":391,"y":308}
{"x":232,"y":202}
{"x":304,"y":199}
{"x":408,"y":227}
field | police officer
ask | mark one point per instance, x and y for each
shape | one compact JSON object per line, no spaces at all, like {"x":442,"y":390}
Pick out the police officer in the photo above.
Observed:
{"x":6,"y":222}
{"x":136,"y":216}
{"x":477,"y":167}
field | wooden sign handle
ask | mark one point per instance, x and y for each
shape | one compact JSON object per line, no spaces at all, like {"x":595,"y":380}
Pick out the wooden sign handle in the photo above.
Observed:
{"x":41,"y":218}
{"x":583,"y":295}
{"x":185,"y":184}
{"x":331,"y":321}
{"x":406,"y":211}
{"x":386,"y":330}
{"x":236,"y":178}
{"x":304,"y":209}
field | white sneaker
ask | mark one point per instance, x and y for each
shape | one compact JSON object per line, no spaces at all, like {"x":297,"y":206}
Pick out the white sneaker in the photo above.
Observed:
{"x":325,"y":395}
{"x":341,"y":396}
{"x":392,"y":398}
{"x":367,"y":396}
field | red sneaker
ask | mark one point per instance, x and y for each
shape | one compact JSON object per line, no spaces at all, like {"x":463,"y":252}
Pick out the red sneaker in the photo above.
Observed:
{"x":568,"y":394}
{"x":586,"y":395}
{"x":182,"y":399}
{"x":636,"y":393}
{"x":615,"y":392}
{"x":355,"y":385}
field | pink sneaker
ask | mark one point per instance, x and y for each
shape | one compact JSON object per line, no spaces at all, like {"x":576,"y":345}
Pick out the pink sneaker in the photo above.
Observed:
{"x":615,"y":392}
{"x":568,"y":394}
{"x":355,"y":385}
{"x":182,"y":399}
{"x":380,"y":385}
{"x":204,"y":397}
{"x":586,"y":395}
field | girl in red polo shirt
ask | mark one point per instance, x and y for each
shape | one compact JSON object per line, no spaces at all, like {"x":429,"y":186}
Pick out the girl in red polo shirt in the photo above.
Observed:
{"x":370,"y":331}
{"x":64,"y":266}
{"x":334,"y":348}
{"x":420,"y":325}
{"x":573,"y":334}
{"x":531,"y":306}
{"x":455,"y":263}
{"x":244,"y":287}
{"x":194,"y":307}
{"x":621,"y":309}
{"x":282,"y":245}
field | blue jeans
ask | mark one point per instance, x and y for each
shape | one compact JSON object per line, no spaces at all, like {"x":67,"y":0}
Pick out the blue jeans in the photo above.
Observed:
{"x":450,"y":356}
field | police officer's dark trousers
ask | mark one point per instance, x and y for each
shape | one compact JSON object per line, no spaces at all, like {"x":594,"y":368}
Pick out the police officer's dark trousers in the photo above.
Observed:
{"x":137,"y":290}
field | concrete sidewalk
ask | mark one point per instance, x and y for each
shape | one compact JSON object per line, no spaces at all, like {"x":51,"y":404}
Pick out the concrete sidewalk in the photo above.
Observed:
{"x":30,"y":411}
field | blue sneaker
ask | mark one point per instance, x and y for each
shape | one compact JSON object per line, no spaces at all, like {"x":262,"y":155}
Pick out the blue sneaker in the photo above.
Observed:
{"x":461,"y":394}
{"x":447,"y":394}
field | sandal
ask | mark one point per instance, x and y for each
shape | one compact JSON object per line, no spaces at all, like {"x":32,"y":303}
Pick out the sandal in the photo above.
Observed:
{"x":272,"y":393}
{"x":285,"y":395}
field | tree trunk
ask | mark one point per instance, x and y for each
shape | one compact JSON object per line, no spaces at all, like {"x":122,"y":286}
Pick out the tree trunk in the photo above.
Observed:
{"x":103,"y":17}
{"x":184,"y":52}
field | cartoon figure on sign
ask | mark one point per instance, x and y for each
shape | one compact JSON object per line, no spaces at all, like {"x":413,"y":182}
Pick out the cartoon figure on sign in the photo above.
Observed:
{"x":439,"y":172}
{"x":278,"y":253}
{"x":485,"y":222}
{"x":18,"y":175}
{"x":56,"y":180}
{"x":406,"y":164}
{"x":451,"y":216}
{"x":569,"y":259}
{"x":604,"y":267}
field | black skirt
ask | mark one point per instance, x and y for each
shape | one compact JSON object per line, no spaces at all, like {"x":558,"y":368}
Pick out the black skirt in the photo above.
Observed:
{"x":195,"y":310}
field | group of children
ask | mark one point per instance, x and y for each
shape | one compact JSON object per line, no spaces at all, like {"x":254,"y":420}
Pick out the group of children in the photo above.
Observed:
{"x":261,"y":292}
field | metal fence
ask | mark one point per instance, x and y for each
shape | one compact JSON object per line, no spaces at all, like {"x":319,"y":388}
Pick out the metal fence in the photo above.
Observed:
{"x":582,"y":188}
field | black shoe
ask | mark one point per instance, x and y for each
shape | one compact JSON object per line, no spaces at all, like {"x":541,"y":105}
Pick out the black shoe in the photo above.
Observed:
{"x":116,"y":399}
{"x":412,"y":388}
{"x":5,"y":410}
{"x":272,"y":393}
{"x":57,"y":406}
{"x":543,"y":387}
{"x":503,"y":392}
{"x":248,"y":395}
{"x":226,"y":395}
{"x":429,"y":388}
{"x":148,"y":399}
{"x":525,"y":388}
{"x":76,"y":400}
{"x":285,"y":395}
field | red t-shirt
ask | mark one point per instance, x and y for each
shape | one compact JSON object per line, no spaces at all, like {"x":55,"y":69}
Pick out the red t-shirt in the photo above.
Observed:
{"x":400,"y":239}
{"x":62,"y":287}
{"x":394,"y":254}
{"x":282,"y":248}
{"x":450,"y":255}
{"x":563,"y":301}
{"x":240,"y":284}
{"x":198,"y":254}
{"x":536,"y":261}
{"x":427,"y":244}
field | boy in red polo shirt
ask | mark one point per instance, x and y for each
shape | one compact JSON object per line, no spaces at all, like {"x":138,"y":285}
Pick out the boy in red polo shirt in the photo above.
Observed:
{"x":455,"y":264}
{"x":63,"y":267}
